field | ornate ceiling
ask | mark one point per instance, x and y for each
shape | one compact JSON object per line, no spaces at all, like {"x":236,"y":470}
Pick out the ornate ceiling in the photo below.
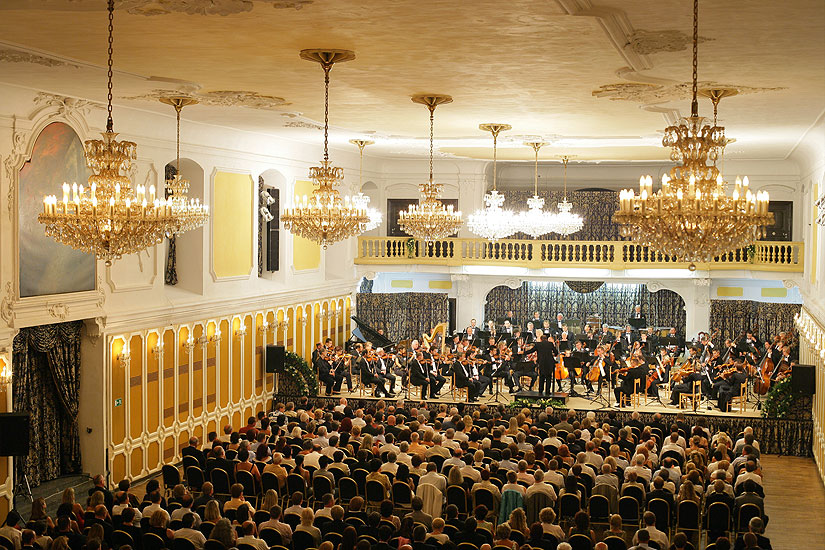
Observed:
{"x":598,"y":79}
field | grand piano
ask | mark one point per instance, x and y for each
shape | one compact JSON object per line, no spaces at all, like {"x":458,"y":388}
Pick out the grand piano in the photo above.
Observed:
{"x":363,"y":332}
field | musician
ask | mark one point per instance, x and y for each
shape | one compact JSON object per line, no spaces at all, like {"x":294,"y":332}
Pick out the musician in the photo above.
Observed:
{"x":324,"y":369}
{"x":660,"y":372}
{"x":605,"y":336}
{"x":419,"y":373}
{"x":558,"y":325}
{"x":666,"y":362}
{"x":598,"y":361}
{"x":384,"y":373}
{"x":319,"y":347}
{"x":564,"y":335}
{"x":529,"y":334}
{"x":520,"y":363}
{"x":398,"y":364}
{"x":732,"y":386}
{"x":341,"y":365}
{"x":475,"y":373}
{"x":675,"y":343}
{"x":637,"y":314}
{"x":711,"y":377}
{"x":685,"y":385}
{"x":588,"y":332}
{"x":546,"y":353}
{"x":748,"y":340}
{"x":785,"y":358}
{"x":536,"y":320}
{"x":500,"y":366}
{"x":437,"y":381}
{"x":507,"y":329}
{"x":509,"y":317}
{"x":628,"y":338}
{"x":471,"y":330}
{"x":635,"y":372}
{"x":731,"y":353}
{"x":369,"y":375}
{"x":463,"y":371}
{"x":649,"y":340}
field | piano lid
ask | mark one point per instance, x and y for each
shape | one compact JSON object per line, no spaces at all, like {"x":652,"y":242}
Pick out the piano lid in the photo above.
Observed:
{"x":366,"y":333}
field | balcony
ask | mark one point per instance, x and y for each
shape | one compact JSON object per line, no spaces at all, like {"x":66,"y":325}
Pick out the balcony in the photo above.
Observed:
{"x":781,"y":256}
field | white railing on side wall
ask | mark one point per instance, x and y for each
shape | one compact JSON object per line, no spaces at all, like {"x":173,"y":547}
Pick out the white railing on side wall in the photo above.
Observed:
{"x":812,"y":352}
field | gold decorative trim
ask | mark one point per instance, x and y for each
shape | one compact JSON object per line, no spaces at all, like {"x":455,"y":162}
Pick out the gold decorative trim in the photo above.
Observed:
{"x":9,"y":55}
{"x":218,"y":98}
{"x":660,"y":93}
{"x":649,"y":42}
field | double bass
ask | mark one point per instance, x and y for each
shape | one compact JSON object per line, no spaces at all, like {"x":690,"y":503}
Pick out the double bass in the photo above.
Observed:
{"x":561,"y":370}
{"x":763,"y":379}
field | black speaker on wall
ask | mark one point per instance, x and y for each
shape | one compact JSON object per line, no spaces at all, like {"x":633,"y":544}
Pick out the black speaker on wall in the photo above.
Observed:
{"x":275,"y":356}
{"x":803,"y":379}
{"x":14,"y":434}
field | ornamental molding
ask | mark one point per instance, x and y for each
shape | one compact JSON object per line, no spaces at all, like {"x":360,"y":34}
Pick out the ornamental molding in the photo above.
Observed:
{"x":302,"y":124}
{"x":64,"y":105}
{"x":790,"y":283}
{"x":220,"y":98}
{"x":649,"y":42}
{"x":654,"y":286}
{"x":13,"y":161}
{"x":513,"y":282}
{"x":204,"y":7}
{"x":7,"y":304}
{"x":647,"y":93}
{"x":9,"y":55}
{"x":58,"y":311}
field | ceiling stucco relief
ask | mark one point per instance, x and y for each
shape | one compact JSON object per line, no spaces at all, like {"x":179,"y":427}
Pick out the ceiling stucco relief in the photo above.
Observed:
{"x":9,"y":55}
{"x":222,"y":98}
{"x":659,"y":93}
{"x":190,"y":7}
{"x":302,"y":124}
{"x":649,"y":42}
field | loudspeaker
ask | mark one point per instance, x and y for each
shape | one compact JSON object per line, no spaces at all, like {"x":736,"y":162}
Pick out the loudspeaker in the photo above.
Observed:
{"x":14,"y":434}
{"x":274,"y":358}
{"x":803,"y":379}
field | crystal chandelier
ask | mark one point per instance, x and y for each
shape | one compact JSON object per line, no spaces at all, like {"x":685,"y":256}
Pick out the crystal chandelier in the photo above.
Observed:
{"x":430,"y":219}
{"x":192,"y":214}
{"x":361,"y":199}
{"x":564,"y":222}
{"x":325,"y":218}
{"x":691,"y":216}
{"x":493,"y":222}
{"x":535,"y":221}
{"x":109,"y":219}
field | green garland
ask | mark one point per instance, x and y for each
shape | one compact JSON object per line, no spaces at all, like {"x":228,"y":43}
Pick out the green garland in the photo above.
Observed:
{"x":780,"y":400}
{"x":297,"y":369}
{"x":522,"y":403}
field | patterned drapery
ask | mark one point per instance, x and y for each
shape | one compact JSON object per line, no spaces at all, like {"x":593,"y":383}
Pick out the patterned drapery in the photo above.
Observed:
{"x":46,"y":382}
{"x":596,"y":207}
{"x":766,"y":319}
{"x":403,"y":315}
{"x":613,"y":302}
{"x":170,"y":275}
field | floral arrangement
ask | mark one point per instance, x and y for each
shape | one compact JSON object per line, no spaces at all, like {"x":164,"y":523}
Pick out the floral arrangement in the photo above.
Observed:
{"x":410,"y":244}
{"x":780,"y":401}
{"x":300,"y":374}
{"x":522,"y":403}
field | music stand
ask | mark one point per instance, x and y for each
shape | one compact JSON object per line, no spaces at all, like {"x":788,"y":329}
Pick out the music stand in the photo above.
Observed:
{"x":637,"y":324}
{"x":564,"y":345}
{"x":571,"y":363}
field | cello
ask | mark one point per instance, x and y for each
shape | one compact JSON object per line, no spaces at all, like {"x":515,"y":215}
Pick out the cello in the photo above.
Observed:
{"x":561,"y":371}
{"x":763,"y":379}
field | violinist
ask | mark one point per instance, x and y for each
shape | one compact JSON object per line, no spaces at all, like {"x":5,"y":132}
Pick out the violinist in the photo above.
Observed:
{"x":503,"y":366}
{"x":398,"y":364}
{"x":341,"y":364}
{"x":683,"y":381}
{"x":370,"y":374}
{"x":475,"y":373}
{"x":520,"y":367}
{"x":732,"y":385}
{"x":316,"y":353}
{"x":435,"y":377}
{"x":463,"y":371}
{"x":711,"y":377}
{"x":636,"y":371}
{"x":383,"y":372}
{"x":322,"y":363}
{"x":659,"y":374}
{"x":598,"y":355}
{"x":529,"y":333}
{"x":785,"y":358}
{"x":419,"y":373}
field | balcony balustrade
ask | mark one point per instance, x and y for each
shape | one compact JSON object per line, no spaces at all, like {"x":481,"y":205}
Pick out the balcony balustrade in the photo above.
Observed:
{"x":616,"y":255}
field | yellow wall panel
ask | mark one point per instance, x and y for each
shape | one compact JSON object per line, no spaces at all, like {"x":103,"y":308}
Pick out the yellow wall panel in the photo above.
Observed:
{"x":226,"y":342}
{"x":136,"y":386}
{"x":305,"y":253}
{"x":237,"y":343}
{"x":250,"y":373}
{"x":153,"y":454}
{"x":136,"y":465}
{"x":401,"y":283}
{"x":775,"y":292}
{"x":730,"y":291}
{"x":181,"y":371}
{"x":118,"y":375}
{"x":232,"y":206}
{"x":152,"y":384}
{"x":210,"y":400}
{"x":197,"y":374}
{"x":443,"y":285}
{"x":119,"y":467}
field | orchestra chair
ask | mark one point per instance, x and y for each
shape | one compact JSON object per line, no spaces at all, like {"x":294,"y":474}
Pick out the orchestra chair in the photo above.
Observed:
{"x":692,"y":399}
{"x":462,"y":392}
{"x":632,"y":399}
{"x":742,"y":399}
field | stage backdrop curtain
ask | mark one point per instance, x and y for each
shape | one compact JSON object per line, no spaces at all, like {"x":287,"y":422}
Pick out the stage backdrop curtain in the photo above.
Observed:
{"x":596,"y":207}
{"x":46,"y":383}
{"x":766,"y":319}
{"x":613,"y":302}
{"x":403,"y":315}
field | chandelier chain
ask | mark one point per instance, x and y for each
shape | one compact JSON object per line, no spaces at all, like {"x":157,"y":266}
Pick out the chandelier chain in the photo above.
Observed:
{"x":327,"y":68}
{"x":536,"y":148}
{"x":177,"y":140}
{"x":432,"y":122}
{"x":109,"y":73}
{"x":564,"y":161}
{"x":495,"y":157}
{"x":694,"y":106}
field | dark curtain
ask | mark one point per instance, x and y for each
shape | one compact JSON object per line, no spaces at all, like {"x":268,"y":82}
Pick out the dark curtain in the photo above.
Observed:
{"x":403,"y":315}
{"x":613,"y":302}
{"x":766,"y":319}
{"x":596,"y":207}
{"x":46,"y":366}
{"x":170,"y":275}
{"x":261,"y":227}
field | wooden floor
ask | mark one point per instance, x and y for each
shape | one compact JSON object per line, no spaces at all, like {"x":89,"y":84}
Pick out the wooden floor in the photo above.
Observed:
{"x":794,"y":502}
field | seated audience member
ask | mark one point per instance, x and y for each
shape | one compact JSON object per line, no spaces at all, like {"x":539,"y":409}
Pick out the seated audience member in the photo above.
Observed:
{"x":274,"y":522}
{"x":756,"y":528}
{"x":654,"y":534}
{"x":188,"y":531}
{"x":307,"y":517}
{"x":249,"y":537}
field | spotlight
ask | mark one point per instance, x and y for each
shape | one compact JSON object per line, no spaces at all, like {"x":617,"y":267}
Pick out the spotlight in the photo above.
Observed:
{"x":265,"y":214}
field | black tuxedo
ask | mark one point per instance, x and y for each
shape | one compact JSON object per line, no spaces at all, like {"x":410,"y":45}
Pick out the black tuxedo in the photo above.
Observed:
{"x":325,"y":374}
{"x":730,"y":389}
{"x":463,"y":379}
{"x":627,"y":385}
{"x":546,"y":353}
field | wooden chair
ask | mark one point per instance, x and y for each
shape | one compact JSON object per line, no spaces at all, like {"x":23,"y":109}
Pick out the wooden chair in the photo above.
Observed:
{"x":741,"y":399}
{"x":692,"y":399}
{"x":632,"y":399}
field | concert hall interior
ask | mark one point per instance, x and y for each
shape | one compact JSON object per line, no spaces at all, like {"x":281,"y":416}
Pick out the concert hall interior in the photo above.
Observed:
{"x":410,"y":232}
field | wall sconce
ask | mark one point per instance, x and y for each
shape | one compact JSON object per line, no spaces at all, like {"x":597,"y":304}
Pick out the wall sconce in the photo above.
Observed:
{"x":303,"y":320}
{"x":158,"y":349}
{"x":215,"y":338}
{"x":124,"y":358}
{"x":5,"y":372}
{"x":283,"y":325}
{"x":189,"y":344}
{"x":240,"y":332}
{"x":265,"y":327}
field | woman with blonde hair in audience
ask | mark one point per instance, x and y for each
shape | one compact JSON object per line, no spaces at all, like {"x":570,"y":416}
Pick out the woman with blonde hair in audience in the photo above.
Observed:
{"x":518,"y":522}
{"x":454,"y":476}
{"x":95,"y":500}
{"x":307,"y":517}
{"x":96,"y":533}
{"x":38,"y":513}
{"x":77,"y":510}
{"x":158,"y":525}
{"x":547,"y":517}
{"x":427,"y":440}
{"x":688,"y":492}
{"x":512,"y":430}
{"x":60,"y":543}
{"x":366,"y":443}
{"x":212,"y":513}
{"x":270,"y":499}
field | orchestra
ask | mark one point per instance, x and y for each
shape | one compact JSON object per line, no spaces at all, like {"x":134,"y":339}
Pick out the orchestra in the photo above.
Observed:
{"x":592,"y":357}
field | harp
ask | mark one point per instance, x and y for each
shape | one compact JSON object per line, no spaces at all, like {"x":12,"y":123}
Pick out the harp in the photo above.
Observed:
{"x":430,"y":339}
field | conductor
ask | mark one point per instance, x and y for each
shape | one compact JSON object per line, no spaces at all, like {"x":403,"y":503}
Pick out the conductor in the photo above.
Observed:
{"x":546,"y":353}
